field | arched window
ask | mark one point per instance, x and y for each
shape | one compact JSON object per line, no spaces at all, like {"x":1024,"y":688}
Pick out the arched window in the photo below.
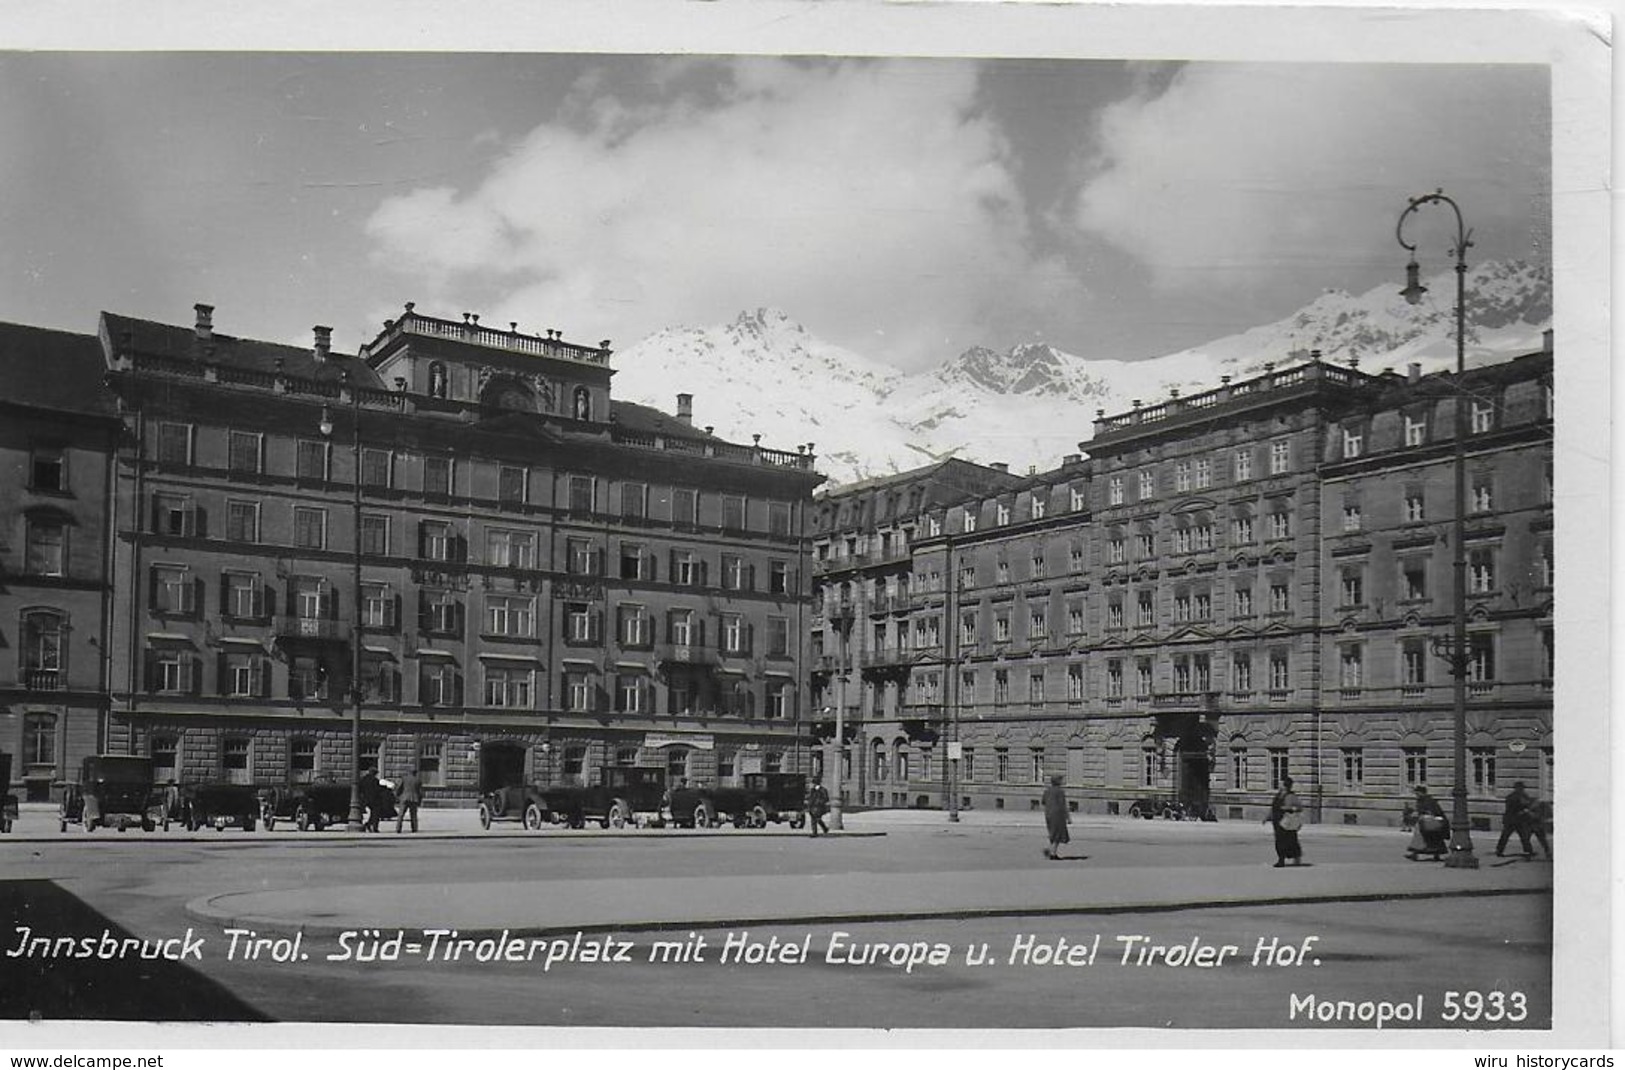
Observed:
{"x":899,"y":753}
{"x":437,"y":380}
{"x":583,"y":404}
{"x":44,"y":667}
{"x":676,"y":764}
{"x":877,"y":759}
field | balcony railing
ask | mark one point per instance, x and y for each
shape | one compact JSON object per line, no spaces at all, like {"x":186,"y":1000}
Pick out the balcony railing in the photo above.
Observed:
{"x":886,"y":655}
{"x":323,"y":628}
{"x":687,"y":654}
{"x":43,"y":679}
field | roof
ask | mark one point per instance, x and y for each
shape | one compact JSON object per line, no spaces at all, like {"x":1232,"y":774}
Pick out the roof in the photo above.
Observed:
{"x":54,"y":370}
{"x":977,"y":472}
{"x":646,"y":419}
{"x":168,"y":340}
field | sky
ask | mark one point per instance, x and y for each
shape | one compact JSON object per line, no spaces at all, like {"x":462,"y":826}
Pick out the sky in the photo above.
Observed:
{"x":905,"y":208}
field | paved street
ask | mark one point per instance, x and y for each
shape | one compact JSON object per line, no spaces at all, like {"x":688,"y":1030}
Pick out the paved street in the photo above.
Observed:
{"x":914,"y":896}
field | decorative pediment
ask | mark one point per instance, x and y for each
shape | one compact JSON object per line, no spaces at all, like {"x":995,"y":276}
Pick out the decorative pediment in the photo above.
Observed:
{"x":1193,"y":505}
{"x":1191,"y":634}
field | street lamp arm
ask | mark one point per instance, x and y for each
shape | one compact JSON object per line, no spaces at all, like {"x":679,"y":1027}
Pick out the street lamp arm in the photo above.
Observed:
{"x":1464,"y":237}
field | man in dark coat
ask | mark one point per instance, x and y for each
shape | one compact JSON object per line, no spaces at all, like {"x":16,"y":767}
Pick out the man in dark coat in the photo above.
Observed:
{"x":1286,"y":817}
{"x":1515,"y":819}
{"x":817,"y":807}
{"x":1055,"y":817}
{"x":407,"y":797}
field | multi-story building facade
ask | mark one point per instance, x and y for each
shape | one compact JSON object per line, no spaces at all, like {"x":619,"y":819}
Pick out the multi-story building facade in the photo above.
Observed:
{"x":58,"y":433}
{"x":1217,"y":598}
{"x":534,"y":578}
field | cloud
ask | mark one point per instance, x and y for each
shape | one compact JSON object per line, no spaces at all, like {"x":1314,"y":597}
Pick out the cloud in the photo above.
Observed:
{"x":1240,"y":176}
{"x":871,"y":200}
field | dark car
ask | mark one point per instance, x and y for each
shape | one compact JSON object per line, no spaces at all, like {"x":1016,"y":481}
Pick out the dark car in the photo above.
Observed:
{"x":624,"y":795}
{"x":514,"y":802}
{"x":220,"y":805}
{"x":1171,"y":809}
{"x":310,"y":807}
{"x":8,"y":801}
{"x":758,"y":799}
{"x":115,"y":791}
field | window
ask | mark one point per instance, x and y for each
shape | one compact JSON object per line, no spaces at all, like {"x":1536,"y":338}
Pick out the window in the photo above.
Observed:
{"x":374,"y":534}
{"x":1416,"y":766}
{"x":1351,"y":580}
{"x":1114,"y":611}
{"x":1074,"y":683}
{"x":1241,"y":673}
{"x":436,"y":538}
{"x":369,"y":754}
{"x":1001,"y":686}
{"x":43,"y":649}
{"x":1241,"y":530}
{"x":1482,"y":498}
{"x":1280,"y":457}
{"x":1483,"y":417}
{"x":1238,"y":769}
{"x":509,"y":615}
{"x":437,"y":683}
{"x":1280,"y":524}
{"x":684,"y":505}
{"x":1039,"y":506}
{"x":309,"y":528}
{"x":1115,"y":551}
{"x":511,"y":484}
{"x":1353,"y":769}
{"x":437,"y":476}
{"x":778,"y":637}
{"x":581,"y":557}
{"x":1038,"y":623}
{"x":310,"y":459}
{"x":1482,"y":761}
{"x":1035,"y":688}
{"x":633,"y":627}
{"x":1278,"y":767}
{"x":1414,"y":509}
{"x":172,"y":591}
{"x":581,"y":494}
{"x":685,"y":568}
{"x":676,"y":764}
{"x":1036,"y":566}
{"x":1114,"y":678}
{"x":1114,"y":492}
{"x":1182,"y":540}
{"x":1145,"y":546}
{"x":1481,"y":570}
{"x":1144,"y":609}
{"x":1416,"y":430}
{"x":1241,"y":602}
{"x":510,"y":549}
{"x":1183,"y":684}
{"x":175,"y":443}
{"x":1413,"y":666}
{"x":735,"y":634}
{"x":680,"y":628}
{"x":243,"y":451}
{"x":1075,"y":557}
{"x":1351,"y":666}
{"x":376,"y":468}
{"x":1001,"y":764}
{"x":1148,"y":484}
{"x":242,"y":521}
{"x":47,"y":550}
{"x":442,"y":613}
{"x":1480,"y":659}
{"x":1142,"y":677}
{"x":1002,"y":572}
{"x":735,"y":573}
{"x":1001,"y":627}
{"x":780,"y":700}
{"x":1244,"y":465}
{"x":1280,"y":598}
{"x":48,"y":470}
{"x":581,"y":623}
{"x":1182,"y":476}
{"x":234,"y":760}
{"x":1204,"y":472}
{"x":635,"y":500}
{"x":778,"y":518}
{"x":507,"y":687}
{"x":243,"y":596}
{"x":1353,"y":442}
{"x":733,"y":512}
{"x":430,"y":763}
{"x":172,"y":672}
{"x":1148,"y":768}
{"x":1413,"y":575}
{"x":243,"y":676}
{"x":1001,"y":514}
{"x":1182,"y":605}
{"x":1280,"y":671}
{"x":1545,"y":565}
{"x":580,"y":693}
{"x":377,"y":606}
{"x":631,"y":691}
{"x":1074,"y":618}
{"x":1351,"y":516}
{"x":778,"y":577}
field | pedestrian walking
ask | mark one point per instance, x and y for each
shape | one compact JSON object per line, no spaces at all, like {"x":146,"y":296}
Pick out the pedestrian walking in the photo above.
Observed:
{"x":1286,"y":818}
{"x":1055,"y":817}
{"x":1540,"y":824}
{"x":1432,"y":835}
{"x":407,"y":797}
{"x":1516,"y":818}
{"x":371,"y":795}
{"x":817,"y":807}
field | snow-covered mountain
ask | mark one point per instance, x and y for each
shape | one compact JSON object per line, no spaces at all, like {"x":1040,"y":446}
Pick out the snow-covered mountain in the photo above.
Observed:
{"x":764,"y":373}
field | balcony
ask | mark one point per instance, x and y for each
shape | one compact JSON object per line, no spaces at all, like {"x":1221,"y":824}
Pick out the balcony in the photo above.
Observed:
{"x":886,"y":657}
{"x":316,"y":629}
{"x":830,"y":663}
{"x":43,"y":680}
{"x":686,"y":654}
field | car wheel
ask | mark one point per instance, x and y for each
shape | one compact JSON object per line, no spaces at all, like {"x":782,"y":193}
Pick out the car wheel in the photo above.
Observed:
{"x":798,"y":821}
{"x":758,"y":816}
{"x":147,"y":825}
{"x":704,"y":816}
{"x":533,"y":817}
{"x":485,"y":815}
{"x":620,"y":815}
{"x":1134,"y":811}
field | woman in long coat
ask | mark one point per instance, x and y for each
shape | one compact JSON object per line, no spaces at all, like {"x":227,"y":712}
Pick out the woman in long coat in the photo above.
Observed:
{"x":1432,"y":835}
{"x":1055,"y":817}
{"x":1286,"y":817}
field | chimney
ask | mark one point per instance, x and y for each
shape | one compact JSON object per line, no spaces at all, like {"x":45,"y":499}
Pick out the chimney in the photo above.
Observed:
{"x":1413,"y":371}
{"x":324,"y":343}
{"x":685,"y":409}
{"x":204,"y":330}
{"x":1072,"y":458}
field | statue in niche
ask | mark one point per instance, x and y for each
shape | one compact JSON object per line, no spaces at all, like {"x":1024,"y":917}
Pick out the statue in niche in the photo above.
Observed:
{"x":437,"y":380}
{"x":583,"y":407}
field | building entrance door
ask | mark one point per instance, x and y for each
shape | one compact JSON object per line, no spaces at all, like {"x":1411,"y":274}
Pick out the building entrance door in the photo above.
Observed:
{"x":502,"y":765}
{"x":1193,"y":769}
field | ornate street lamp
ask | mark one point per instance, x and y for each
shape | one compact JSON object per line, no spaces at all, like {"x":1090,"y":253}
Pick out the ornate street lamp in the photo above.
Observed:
{"x":1454,"y":650}
{"x":354,"y":824}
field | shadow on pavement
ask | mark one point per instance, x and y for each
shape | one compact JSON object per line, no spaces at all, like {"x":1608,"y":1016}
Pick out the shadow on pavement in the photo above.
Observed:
{"x":127,"y":988}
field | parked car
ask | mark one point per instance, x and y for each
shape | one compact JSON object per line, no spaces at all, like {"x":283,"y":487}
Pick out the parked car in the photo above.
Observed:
{"x":220,"y":805}
{"x":8,"y":800}
{"x":523,"y":803}
{"x":1171,"y":809}
{"x":311,"y":807}
{"x":113,"y":791}
{"x":758,"y":799}
{"x":624,"y":795}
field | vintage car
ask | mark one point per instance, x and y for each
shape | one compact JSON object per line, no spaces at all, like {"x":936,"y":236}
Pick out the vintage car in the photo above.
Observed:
{"x":1171,"y":809}
{"x":623,"y":795}
{"x":760,"y":798}
{"x":8,"y":801}
{"x":219,"y":805}
{"x":514,"y":802}
{"x":115,"y":791}
{"x":311,"y":807}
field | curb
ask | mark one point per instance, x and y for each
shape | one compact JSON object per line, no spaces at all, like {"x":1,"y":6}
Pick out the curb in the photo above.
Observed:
{"x":262,"y":839}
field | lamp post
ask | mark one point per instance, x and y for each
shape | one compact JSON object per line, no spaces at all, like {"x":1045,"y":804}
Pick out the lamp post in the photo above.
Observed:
{"x":1454,"y":650}
{"x":354,"y":824}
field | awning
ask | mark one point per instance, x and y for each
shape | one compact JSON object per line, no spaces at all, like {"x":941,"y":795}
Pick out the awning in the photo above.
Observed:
{"x":448,"y":655}
{"x":525,"y":659}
